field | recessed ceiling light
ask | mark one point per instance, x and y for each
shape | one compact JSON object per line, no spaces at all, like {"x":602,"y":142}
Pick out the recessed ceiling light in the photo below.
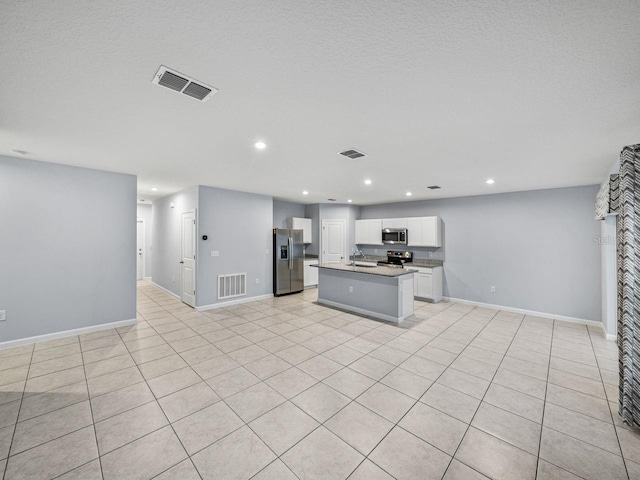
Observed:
{"x":260,"y":145}
{"x":349,"y":201}
{"x":367,"y":182}
{"x":305,"y":193}
{"x":491,"y":181}
{"x":20,"y":152}
{"x":408,"y":194}
{"x":154,"y":189}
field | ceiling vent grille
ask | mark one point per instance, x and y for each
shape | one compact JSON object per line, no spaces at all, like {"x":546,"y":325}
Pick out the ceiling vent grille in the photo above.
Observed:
{"x":434,"y":187}
{"x":353,"y":153}
{"x":183,"y":84}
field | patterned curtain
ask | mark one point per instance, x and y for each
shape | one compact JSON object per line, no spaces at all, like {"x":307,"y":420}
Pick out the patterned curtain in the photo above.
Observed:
{"x":629,"y":284}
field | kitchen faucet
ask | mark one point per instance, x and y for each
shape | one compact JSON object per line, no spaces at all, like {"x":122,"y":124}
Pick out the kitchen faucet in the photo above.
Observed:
{"x":356,"y":252}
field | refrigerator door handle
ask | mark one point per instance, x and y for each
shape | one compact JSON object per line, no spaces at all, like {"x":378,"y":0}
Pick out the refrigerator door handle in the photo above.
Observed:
{"x":290,"y":248}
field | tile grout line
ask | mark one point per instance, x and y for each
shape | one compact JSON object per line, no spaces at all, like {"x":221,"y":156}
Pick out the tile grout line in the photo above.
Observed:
{"x":15,"y":425}
{"x":93,"y":423}
{"x":522,"y":319}
{"x":544,"y":402}
{"x":615,"y":430}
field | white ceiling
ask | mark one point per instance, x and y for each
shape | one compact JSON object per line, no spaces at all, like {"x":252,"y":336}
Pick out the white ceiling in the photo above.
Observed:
{"x":534,"y":94}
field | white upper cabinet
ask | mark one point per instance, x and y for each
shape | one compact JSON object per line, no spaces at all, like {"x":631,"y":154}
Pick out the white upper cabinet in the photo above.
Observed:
{"x":304,"y":224}
{"x":369,"y":232}
{"x":395,"y":223}
{"x":424,"y":232}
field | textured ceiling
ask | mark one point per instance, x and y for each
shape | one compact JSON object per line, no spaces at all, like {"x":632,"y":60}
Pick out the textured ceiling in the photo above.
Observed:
{"x":534,"y":94}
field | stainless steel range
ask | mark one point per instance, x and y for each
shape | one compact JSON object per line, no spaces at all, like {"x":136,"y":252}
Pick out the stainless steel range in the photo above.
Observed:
{"x":396,"y":258}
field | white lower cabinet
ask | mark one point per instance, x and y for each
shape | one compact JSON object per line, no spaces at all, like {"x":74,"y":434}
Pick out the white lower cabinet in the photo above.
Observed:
{"x":427,"y":283}
{"x":310,"y":273}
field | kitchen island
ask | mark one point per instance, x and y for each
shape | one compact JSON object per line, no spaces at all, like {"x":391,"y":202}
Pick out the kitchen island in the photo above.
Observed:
{"x":385,"y":293}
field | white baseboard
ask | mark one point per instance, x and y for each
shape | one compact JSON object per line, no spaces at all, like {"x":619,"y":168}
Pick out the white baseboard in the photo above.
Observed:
{"x":165,"y":290}
{"x":611,"y":337}
{"x":564,"y":318}
{"x":239,"y":301}
{"x":66,"y":333}
{"x":147,"y":278}
{"x":361,"y":311}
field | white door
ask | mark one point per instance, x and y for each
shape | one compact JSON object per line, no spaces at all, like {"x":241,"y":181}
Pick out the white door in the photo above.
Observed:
{"x":188,"y":259}
{"x":140,"y":250}
{"x":334,"y":243}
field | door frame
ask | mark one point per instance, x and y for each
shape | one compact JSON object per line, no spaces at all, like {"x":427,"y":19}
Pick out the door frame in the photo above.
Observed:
{"x":346,"y":237}
{"x":195,"y":260}
{"x":144,"y":248}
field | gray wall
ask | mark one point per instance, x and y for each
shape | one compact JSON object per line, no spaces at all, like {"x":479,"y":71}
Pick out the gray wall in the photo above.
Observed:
{"x":536,"y":247}
{"x":331,"y":211}
{"x":144,"y":212}
{"x":67,"y":248}
{"x":167,"y":236}
{"x":283,"y":210}
{"x":239,"y":226}
{"x":349,"y":213}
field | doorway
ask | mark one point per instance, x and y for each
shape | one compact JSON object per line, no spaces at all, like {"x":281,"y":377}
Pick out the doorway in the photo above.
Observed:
{"x":141,"y":254}
{"x":188,"y":259}
{"x":334,"y":245}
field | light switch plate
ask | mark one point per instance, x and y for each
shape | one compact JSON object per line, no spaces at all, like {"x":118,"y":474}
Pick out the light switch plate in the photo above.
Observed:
{"x":3,"y":315}
{"x":215,"y":253}
{"x":493,"y":289}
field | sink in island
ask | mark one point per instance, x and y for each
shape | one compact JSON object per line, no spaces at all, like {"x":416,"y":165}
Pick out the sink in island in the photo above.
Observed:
{"x":385,"y":293}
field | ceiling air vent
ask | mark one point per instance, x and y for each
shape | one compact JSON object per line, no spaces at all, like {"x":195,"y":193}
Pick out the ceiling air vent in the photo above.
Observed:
{"x":434,"y":187}
{"x":353,"y":154}
{"x":183,"y":84}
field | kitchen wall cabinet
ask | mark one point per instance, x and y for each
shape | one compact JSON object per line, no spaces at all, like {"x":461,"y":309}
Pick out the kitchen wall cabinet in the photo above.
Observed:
{"x":310,"y":273}
{"x":369,"y":232}
{"x":427,"y":283}
{"x":304,"y":224}
{"x":424,"y":232}
{"x":395,"y":223}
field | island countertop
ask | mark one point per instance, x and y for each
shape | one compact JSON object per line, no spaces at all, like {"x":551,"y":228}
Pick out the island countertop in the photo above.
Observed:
{"x":378,"y":270}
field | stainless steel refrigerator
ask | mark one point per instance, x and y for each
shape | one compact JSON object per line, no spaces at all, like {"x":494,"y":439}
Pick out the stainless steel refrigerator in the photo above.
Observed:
{"x":288,"y":261}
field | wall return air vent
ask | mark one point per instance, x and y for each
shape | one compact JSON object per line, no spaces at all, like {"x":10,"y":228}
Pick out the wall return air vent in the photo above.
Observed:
{"x":183,"y":84}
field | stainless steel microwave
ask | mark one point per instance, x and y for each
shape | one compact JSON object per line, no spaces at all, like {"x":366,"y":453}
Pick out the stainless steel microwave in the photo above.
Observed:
{"x":394,"y":236}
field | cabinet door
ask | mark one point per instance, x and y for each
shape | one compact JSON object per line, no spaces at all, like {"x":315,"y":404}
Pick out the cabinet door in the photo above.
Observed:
{"x":425,"y":285}
{"x":429,"y":231}
{"x":375,"y":232}
{"x":414,"y":231}
{"x":313,"y":276}
{"x":362,"y":232}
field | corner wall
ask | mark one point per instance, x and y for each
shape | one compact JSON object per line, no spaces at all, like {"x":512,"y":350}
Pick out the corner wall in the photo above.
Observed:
{"x":283,"y":210}
{"x":167,"y":236}
{"x":538,"y":248}
{"x":238,"y":226}
{"x":67,"y":248}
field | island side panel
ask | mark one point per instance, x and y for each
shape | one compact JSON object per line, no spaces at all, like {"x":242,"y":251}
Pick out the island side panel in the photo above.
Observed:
{"x":406,"y":300}
{"x":374,"y":295}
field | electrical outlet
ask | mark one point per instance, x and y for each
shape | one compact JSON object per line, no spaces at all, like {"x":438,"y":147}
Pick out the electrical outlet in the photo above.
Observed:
{"x":493,"y":289}
{"x":350,"y":289}
{"x":3,"y":315}
{"x":173,"y":279}
{"x":266,"y":252}
{"x":215,"y":253}
{"x":430,"y":254}
{"x":257,"y":281}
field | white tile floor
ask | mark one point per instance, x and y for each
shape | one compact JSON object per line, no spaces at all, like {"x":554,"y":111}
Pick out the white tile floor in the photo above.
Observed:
{"x":284,"y":389}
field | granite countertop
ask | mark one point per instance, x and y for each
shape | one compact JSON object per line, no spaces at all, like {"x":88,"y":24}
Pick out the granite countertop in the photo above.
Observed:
{"x":382,"y":271}
{"x":423,"y":262}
